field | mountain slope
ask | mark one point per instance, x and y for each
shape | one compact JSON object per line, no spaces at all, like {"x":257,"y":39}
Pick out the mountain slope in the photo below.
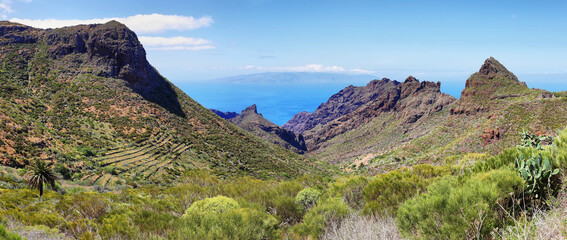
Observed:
{"x":396,"y":113}
{"x":86,"y":98}
{"x":251,"y":121}
{"x":494,"y":108}
{"x":387,"y":124}
{"x":340,"y":104}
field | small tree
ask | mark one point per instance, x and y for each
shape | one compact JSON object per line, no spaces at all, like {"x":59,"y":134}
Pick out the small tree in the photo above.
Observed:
{"x":40,"y":174}
{"x":307,"y":197}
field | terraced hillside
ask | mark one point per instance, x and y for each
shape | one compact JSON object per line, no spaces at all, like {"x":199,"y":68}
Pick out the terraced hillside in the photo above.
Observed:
{"x":86,"y":99}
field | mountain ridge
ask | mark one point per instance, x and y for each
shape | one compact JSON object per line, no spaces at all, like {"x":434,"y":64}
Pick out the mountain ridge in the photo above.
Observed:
{"x":252,"y":121}
{"x":87,"y":98}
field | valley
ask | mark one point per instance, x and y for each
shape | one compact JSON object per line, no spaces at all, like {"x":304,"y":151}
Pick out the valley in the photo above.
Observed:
{"x":96,"y":144}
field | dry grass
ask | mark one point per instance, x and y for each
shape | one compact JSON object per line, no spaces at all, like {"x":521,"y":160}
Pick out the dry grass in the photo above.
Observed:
{"x":32,"y":232}
{"x":550,"y":224}
{"x":360,"y":227}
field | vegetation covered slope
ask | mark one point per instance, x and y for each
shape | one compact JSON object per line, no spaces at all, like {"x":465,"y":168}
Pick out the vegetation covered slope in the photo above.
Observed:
{"x":493,"y":110}
{"x":86,"y":98}
{"x":397,"y":114}
{"x":253,"y":122}
{"x":387,"y":124}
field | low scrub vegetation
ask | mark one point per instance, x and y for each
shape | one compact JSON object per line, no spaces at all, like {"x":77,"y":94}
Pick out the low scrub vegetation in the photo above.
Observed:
{"x":496,"y":197}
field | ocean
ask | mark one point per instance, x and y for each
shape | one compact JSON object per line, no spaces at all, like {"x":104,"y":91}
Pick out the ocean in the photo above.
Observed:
{"x":280,"y":101}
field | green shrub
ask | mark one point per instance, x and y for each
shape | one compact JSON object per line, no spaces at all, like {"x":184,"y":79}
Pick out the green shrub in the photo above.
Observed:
{"x":385,"y":192}
{"x":288,"y":211}
{"x":350,"y":190}
{"x":117,"y":226}
{"x":88,"y":205}
{"x":222,"y":218}
{"x":307,"y":197}
{"x":453,"y":210}
{"x":560,"y":144}
{"x":214,"y":205}
{"x":317,"y":218}
{"x":4,"y":234}
{"x":63,"y":170}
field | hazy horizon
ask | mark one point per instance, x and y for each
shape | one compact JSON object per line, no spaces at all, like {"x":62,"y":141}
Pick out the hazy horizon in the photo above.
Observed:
{"x":279,"y":101}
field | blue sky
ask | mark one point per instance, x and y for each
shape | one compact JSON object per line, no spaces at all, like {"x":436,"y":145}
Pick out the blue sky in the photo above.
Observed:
{"x":443,"y":41}
{"x":429,"y":38}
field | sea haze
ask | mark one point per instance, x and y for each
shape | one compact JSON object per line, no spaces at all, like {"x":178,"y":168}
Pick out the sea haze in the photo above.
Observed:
{"x":278,"y":96}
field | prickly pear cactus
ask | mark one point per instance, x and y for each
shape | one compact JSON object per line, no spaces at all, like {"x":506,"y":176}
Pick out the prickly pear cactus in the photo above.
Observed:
{"x":537,"y":172}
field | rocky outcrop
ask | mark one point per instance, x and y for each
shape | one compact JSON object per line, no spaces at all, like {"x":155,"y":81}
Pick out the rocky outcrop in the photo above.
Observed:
{"x":225,"y":115}
{"x":344,"y":102}
{"x":106,"y":50}
{"x":492,"y":82}
{"x":255,"y":123}
{"x":410,"y":100}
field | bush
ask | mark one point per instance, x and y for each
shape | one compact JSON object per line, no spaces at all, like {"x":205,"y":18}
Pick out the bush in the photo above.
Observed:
{"x":88,"y":205}
{"x":385,"y":192}
{"x":63,"y":170}
{"x":287,"y":210}
{"x":215,"y":205}
{"x":117,"y":226}
{"x":307,"y":197}
{"x":350,"y":190}
{"x":453,"y":210}
{"x":317,"y":218}
{"x":222,"y":218}
{"x":560,"y":144}
{"x":4,"y":234}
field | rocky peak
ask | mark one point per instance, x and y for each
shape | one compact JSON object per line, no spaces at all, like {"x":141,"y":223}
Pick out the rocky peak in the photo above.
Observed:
{"x":492,"y":68}
{"x":385,"y":93}
{"x":344,"y":102}
{"x":253,"y":122}
{"x":410,"y":101}
{"x":250,"y":110}
{"x":482,"y":89}
{"x":411,"y":79}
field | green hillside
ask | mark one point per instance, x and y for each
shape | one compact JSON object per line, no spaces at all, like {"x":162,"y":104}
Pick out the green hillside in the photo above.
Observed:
{"x":85,"y":98}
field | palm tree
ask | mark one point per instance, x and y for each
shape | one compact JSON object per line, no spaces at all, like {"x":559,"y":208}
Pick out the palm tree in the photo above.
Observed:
{"x":39,"y":175}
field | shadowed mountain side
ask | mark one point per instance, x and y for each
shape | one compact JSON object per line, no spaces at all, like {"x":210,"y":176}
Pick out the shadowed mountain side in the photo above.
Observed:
{"x":250,"y":120}
{"x":225,"y":115}
{"x":340,"y":104}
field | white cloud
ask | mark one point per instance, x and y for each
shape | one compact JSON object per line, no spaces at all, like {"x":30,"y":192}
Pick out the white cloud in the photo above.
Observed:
{"x":361,"y":71}
{"x":309,"y":68}
{"x":176,"y":43}
{"x":5,"y":8}
{"x":148,"y":23}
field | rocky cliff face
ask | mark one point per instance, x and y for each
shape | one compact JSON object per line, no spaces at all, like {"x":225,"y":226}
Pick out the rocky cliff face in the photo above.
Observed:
{"x":105,"y":50}
{"x":485,"y":89}
{"x":250,"y":120}
{"x":340,"y":104}
{"x":410,"y":101}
